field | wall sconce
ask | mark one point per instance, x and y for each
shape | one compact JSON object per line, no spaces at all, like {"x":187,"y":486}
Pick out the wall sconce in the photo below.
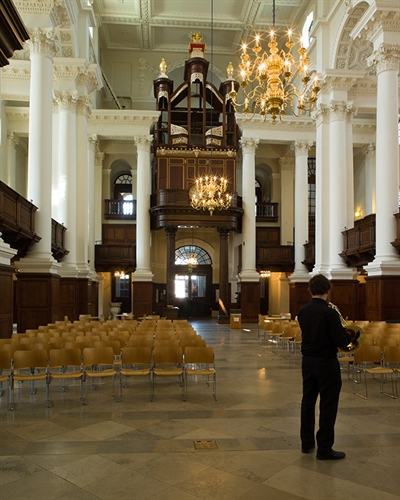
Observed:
{"x":357,"y":214}
{"x":265,"y":274}
{"x":119,"y":274}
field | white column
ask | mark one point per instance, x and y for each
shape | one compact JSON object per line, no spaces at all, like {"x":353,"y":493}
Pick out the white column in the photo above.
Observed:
{"x":248,"y":272}
{"x":42,"y":49}
{"x":106,"y":176}
{"x":10,"y":178}
{"x":287,"y":201}
{"x":83,"y":187}
{"x":350,"y":112}
{"x":370,"y":179}
{"x":321,"y":191}
{"x":143,"y":269}
{"x":67,"y":168}
{"x":300,"y":210}
{"x":386,"y":261}
{"x":98,"y":197}
{"x":92,"y":187}
{"x":337,"y":207}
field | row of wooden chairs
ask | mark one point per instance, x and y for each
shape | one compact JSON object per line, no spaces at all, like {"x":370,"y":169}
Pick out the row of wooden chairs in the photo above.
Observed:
{"x":99,"y":362}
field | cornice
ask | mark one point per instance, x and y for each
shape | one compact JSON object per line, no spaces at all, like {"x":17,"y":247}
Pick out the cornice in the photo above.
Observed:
{"x":17,"y":114}
{"x":288,"y":124}
{"x":125,"y":117}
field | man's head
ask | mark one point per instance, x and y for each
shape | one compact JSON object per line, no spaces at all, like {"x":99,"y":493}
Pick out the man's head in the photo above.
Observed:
{"x":319,"y":285}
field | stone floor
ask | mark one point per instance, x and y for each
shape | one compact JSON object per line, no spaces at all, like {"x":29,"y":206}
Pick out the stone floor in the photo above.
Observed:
{"x":140,"y":450}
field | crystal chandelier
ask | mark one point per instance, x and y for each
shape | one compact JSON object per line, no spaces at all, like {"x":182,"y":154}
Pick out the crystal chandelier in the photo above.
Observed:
{"x":209,"y":193}
{"x":267,"y":78}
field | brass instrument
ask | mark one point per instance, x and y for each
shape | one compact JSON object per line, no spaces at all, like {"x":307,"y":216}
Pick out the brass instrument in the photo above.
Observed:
{"x":359,"y":337}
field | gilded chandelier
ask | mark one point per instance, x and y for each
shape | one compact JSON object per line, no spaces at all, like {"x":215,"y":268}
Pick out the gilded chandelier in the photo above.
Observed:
{"x":267,"y":78}
{"x":209,"y":193}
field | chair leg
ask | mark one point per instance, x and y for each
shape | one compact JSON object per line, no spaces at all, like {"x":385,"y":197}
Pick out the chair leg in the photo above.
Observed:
{"x":365,"y":384}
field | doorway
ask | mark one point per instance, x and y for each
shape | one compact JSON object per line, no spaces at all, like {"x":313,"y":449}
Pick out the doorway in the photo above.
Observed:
{"x":193,"y":282}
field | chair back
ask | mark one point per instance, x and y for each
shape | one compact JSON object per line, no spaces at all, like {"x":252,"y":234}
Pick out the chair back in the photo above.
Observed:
{"x":200,"y":355}
{"x":136,"y":355}
{"x":167,"y":354}
{"x":98,"y":356}
{"x":30,"y":359}
{"x":64,"y":357}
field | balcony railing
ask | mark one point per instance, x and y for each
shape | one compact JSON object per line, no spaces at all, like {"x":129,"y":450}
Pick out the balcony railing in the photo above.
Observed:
{"x":120,"y":209}
{"x":267,"y":212}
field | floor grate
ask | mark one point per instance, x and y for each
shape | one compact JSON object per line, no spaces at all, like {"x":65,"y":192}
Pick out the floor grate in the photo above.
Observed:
{"x":205,"y":445}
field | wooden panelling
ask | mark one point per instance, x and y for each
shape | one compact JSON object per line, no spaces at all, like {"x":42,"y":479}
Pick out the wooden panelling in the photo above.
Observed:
{"x":299,"y":295}
{"x":67,"y":299}
{"x":6,"y":301}
{"x":38,"y":299}
{"x":382,"y":297}
{"x":109,"y":258}
{"x":143,"y":298}
{"x":266,"y":236}
{"x":359,"y":242}
{"x":344,"y":294}
{"x":250,"y":301}
{"x":119,"y":234}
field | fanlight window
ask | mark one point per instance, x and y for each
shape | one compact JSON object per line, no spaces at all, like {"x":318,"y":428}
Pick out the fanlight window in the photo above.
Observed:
{"x":182,"y":255}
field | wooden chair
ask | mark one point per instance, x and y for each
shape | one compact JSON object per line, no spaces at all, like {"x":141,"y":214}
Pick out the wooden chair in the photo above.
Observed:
{"x":96,"y":365}
{"x":5,"y":372}
{"x":199,"y":361}
{"x":168,"y":362}
{"x":137,"y":362}
{"x":69,"y":365}
{"x":31,"y":361}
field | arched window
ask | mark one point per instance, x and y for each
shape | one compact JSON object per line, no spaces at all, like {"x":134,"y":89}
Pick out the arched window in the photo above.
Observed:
{"x":123,"y":191}
{"x":182,"y":255}
{"x":306,"y":29}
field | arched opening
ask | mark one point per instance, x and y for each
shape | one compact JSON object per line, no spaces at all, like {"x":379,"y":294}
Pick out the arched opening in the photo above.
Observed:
{"x":193,"y":281}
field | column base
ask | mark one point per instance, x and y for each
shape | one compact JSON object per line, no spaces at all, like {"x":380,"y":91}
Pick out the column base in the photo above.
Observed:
{"x":249,"y":275}
{"x":39,"y":263}
{"x":381,"y":267}
{"x":300,"y":276}
{"x":6,"y":253}
{"x":143,"y":275}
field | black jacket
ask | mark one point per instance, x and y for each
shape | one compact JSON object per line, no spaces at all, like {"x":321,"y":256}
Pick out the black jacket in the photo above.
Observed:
{"x":321,"y":329}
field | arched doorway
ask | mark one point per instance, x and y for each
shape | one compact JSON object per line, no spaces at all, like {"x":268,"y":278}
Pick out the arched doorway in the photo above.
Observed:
{"x":193,"y":282}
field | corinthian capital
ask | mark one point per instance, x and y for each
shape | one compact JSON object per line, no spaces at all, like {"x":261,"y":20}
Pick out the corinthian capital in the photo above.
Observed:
{"x":66,"y":101}
{"x":143,"y":142}
{"x":301,"y":148}
{"x":387,"y":57}
{"x":249,"y":145}
{"x":42,"y":41}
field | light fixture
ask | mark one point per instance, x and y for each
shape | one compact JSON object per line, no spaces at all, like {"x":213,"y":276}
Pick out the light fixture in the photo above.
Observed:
{"x":119,"y":274}
{"x":265,"y":274}
{"x":267,"y":78}
{"x":209,"y":194}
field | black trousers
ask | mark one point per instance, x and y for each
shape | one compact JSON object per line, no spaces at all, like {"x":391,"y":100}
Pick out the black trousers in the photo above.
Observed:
{"x":321,"y":376}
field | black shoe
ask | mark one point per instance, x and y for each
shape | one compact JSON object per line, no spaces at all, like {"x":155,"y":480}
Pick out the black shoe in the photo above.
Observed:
{"x":331,"y":455}
{"x":308,"y":450}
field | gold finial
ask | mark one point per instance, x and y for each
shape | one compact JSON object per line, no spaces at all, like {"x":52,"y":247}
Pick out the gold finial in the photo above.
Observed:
{"x":196,"y":37}
{"x":163,"y":67}
{"x":229,"y":71}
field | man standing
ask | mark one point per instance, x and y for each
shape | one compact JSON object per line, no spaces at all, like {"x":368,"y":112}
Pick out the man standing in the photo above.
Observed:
{"x":322,"y":334}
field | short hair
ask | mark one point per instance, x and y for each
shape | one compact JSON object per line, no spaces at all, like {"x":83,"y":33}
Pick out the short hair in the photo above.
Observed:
{"x":319,"y":285}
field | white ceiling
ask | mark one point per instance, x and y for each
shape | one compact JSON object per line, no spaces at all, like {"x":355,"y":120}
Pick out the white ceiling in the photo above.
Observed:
{"x":166,"y":25}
